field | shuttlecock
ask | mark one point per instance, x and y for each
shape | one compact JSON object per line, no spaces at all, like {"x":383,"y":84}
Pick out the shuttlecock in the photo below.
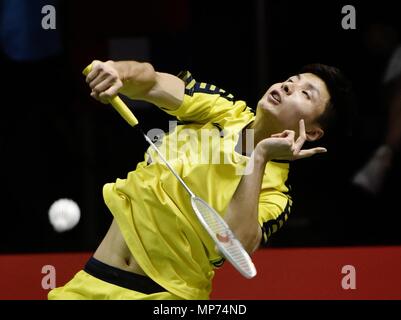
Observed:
{"x":64,"y":214}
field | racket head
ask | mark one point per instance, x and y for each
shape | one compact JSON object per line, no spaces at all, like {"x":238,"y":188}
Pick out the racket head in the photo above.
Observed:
{"x":224,"y":238}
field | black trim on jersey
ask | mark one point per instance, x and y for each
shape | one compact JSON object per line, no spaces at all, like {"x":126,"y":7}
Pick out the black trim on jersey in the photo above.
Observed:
{"x":188,"y":78}
{"x":206,"y":89}
{"x":189,"y":92}
{"x":219,"y":263}
{"x":280,"y":161}
{"x":226,"y":95}
{"x":250,"y":109}
{"x":183,"y":122}
{"x":267,"y":227}
{"x":183,"y":74}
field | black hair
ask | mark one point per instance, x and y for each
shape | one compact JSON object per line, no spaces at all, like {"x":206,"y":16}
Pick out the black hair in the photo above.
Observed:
{"x":339,"y":115}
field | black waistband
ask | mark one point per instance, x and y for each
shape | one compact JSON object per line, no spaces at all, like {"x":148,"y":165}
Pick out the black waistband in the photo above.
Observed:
{"x":122,"y":278}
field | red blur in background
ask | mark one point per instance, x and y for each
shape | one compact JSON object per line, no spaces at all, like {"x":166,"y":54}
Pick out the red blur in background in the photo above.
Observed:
{"x":283,"y":274}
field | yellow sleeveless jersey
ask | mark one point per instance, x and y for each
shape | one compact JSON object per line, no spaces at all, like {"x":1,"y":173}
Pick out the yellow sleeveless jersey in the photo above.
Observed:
{"x":153,"y":210}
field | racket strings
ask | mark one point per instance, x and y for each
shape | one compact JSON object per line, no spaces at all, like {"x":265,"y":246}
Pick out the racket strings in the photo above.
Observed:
{"x":231,"y":247}
{"x":210,"y":217}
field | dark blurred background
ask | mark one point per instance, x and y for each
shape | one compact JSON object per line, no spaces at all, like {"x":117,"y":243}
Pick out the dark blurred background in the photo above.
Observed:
{"x":56,"y":142}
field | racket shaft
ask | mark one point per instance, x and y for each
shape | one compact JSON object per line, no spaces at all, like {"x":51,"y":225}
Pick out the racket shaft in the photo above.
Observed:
{"x":169,"y":166}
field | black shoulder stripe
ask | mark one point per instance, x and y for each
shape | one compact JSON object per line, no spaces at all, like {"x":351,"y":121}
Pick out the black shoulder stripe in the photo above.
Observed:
{"x":192,"y":86}
{"x":186,"y":76}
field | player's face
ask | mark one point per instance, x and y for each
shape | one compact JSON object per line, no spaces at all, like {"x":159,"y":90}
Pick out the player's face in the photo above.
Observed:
{"x":302,"y":96}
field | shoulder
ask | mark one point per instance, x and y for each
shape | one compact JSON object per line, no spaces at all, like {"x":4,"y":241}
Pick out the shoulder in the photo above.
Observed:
{"x":193,"y":86}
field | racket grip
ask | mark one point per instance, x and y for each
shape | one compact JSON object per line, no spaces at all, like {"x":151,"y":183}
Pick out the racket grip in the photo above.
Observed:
{"x":118,"y":104}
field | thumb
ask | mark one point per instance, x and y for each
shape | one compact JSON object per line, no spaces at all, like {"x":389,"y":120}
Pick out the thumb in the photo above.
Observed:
{"x":279,"y":135}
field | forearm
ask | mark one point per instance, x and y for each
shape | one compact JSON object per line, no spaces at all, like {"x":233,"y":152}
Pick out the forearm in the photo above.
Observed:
{"x":142,"y":82}
{"x":242,"y":212}
{"x":138,"y":78}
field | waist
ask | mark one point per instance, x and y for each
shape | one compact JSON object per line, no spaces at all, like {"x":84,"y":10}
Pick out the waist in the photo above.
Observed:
{"x":114,"y":252}
{"x":122,"y":278}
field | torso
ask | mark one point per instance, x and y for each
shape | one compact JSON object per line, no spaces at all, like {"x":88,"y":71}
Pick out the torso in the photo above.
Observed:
{"x":114,"y":251}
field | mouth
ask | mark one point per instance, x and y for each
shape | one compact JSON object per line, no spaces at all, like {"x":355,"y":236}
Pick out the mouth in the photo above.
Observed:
{"x":274,"y":97}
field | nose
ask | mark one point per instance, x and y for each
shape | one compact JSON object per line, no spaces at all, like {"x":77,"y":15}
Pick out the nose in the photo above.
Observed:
{"x":287,"y":87}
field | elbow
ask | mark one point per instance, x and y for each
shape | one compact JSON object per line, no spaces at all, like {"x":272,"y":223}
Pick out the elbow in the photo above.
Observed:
{"x":251,"y":239}
{"x":257,"y":239}
{"x":146,"y":76}
{"x":148,"y":73}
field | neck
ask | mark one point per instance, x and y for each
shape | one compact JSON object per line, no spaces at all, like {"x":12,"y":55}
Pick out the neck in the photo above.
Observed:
{"x":260,"y":130}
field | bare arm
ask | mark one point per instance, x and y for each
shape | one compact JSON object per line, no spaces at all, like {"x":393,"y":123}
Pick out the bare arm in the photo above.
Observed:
{"x":242,"y":212}
{"x":136,"y":80}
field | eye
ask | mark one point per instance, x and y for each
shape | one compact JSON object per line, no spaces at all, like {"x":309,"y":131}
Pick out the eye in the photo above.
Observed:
{"x":290,"y":80}
{"x":306,"y":94}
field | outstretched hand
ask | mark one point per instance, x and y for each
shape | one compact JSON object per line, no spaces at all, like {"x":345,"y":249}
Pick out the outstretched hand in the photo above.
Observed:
{"x":283,"y":146}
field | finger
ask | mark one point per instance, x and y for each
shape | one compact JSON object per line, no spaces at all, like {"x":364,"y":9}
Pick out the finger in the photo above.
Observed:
{"x":309,"y":152}
{"x":98,"y":79}
{"x":302,"y":137}
{"x":109,"y":93}
{"x":96,"y":96}
{"x":277,"y":135}
{"x":284,"y":134}
{"x":103,"y":86}
{"x":289,"y":134}
{"x":302,"y":131}
{"x":94,"y":72}
{"x":103,"y":100}
{"x":92,"y":75}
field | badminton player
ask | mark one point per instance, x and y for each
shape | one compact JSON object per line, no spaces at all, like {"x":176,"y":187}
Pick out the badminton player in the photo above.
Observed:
{"x":156,"y":248}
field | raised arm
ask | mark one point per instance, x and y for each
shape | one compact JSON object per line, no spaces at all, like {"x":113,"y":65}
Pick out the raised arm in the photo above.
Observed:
{"x":242,"y":213}
{"x":136,"y":80}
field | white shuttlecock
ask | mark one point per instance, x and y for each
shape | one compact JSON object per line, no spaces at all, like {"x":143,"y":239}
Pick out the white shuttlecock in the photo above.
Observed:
{"x":64,"y":214}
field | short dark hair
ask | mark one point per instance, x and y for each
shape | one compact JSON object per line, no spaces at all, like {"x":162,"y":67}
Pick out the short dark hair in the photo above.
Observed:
{"x":339,"y":115}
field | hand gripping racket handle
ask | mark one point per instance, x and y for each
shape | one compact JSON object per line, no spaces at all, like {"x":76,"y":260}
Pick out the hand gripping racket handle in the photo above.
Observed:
{"x":118,"y":104}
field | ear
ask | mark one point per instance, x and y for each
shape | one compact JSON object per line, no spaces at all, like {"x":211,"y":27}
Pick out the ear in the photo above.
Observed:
{"x":314,"y":134}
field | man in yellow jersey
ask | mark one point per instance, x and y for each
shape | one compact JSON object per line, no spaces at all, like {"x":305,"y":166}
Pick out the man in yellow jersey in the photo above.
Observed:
{"x":156,"y":248}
